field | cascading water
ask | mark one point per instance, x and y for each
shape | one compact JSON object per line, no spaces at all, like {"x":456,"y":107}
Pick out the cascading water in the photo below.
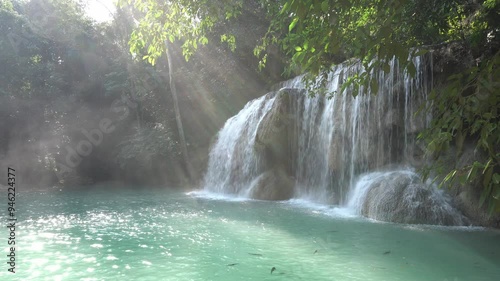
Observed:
{"x":400,"y":196}
{"x":232,"y":164}
{"x":328,"y":142}
{"x":345,"y":136}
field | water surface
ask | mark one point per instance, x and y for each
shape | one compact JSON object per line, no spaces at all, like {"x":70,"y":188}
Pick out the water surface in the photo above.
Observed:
{"x":162,"y":235}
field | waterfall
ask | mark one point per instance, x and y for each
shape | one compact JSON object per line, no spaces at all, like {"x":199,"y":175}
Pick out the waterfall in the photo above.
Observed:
{"x":344,"y":136}
{"x":232,"y":163}
{"x":323,"y":143}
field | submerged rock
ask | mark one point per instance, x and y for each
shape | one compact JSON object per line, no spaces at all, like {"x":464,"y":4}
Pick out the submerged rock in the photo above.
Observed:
{"x":272,"y":185}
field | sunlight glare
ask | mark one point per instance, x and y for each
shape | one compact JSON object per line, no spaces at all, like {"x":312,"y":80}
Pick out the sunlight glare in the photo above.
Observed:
{"x":101,"y":10}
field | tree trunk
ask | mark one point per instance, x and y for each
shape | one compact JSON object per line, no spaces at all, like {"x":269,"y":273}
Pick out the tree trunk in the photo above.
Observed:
{"x":182,"y":139}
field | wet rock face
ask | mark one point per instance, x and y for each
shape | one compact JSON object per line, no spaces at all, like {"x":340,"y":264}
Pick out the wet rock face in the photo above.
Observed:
{"x":401,"y":197}
{"x":272,"y":144}
{"x":274,"y":133}
{"x":273,"y":185}
{"x":271,"y":138}
{"x":466,"y":197}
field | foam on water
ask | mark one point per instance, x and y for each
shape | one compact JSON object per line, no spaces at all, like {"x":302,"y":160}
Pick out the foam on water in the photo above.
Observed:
{"x":217,"y":196}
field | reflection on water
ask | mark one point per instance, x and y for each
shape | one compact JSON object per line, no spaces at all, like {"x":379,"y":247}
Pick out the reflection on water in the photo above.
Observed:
{"x":155,"y":235}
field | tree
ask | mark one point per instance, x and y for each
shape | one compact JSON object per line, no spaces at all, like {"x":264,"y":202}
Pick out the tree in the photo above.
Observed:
{"x":315,"y":34}
{"x":163,"y":23}
{"x":64,"y":73}
{"x":178,"y":118}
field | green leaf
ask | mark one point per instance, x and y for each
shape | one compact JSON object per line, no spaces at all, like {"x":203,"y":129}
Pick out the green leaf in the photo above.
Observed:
{"x":420,"y":52}
{"x":293,"y":24}
{"x":387,"y":68}
{"x":484,"y":194}
{"x":450,"y":175}
{"x":411,"y":69}
{"x":472,"y":172}
{"x":374,"y":86}
{"x":462,"y":178}
{"x":325,"y":6}
{"x":496,"y":194}
{"x":286,"y":7}
{"x":496,"y":179}
{"x":401,"y":53}
{"x":487,"y":165}
{"x":487,"y":178}
{"x":491,"y":205}
{"x":298,"y":49}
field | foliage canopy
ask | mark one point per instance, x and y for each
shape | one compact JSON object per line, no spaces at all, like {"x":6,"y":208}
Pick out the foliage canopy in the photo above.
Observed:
{"x":48,"y":49}
{"x":315,"y":34}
